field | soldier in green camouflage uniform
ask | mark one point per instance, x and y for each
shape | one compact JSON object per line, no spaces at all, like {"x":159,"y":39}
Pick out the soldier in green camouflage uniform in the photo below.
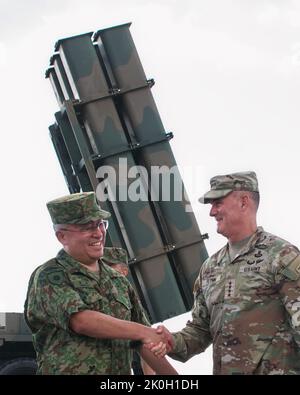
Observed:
{"x":82,"y":313}
{"x":247,"y":295}
{"x":117,"y":259}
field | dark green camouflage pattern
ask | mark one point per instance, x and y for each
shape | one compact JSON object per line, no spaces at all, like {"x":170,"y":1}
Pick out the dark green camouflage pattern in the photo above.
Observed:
{"x":222,"y":185}
{"x":113,"y":126}
{"x":63,"y":286}
{"x":248,"y":308}
{"x":115,"y":255}
{"x":77,"y":208}
{"x":104,"y":136}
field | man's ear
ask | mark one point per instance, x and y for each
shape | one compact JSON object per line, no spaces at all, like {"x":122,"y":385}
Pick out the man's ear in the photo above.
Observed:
{"x":245,"y":201}
{"x":61,"y":236}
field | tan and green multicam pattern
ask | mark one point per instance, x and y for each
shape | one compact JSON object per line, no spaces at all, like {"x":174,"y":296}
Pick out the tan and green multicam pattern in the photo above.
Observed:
{"x":115,"y":255}
{"x":224,"y":184}
{"x":62,"y":286}
{"x":248,"y":308}
{"x":77,"y":208}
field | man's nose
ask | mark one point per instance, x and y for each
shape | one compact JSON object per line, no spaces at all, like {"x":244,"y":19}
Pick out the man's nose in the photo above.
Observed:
{"x":213,"y":211}
{"x":98,"y":231}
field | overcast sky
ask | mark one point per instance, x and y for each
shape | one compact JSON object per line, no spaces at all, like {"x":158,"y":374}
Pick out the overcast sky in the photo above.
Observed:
{"x":227,"y":85}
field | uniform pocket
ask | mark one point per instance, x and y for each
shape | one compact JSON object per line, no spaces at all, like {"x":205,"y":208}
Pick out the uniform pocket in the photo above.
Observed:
{"x":121,"y":307}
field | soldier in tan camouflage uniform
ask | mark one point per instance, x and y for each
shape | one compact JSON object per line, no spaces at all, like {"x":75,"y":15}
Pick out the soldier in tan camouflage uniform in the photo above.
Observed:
{"x":247,"y":295}
{"x":82,"y":313}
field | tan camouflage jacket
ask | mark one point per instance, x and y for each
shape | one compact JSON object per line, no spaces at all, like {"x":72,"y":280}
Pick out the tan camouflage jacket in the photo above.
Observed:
{"x":248,"y":308}
{"x":63,"y":286}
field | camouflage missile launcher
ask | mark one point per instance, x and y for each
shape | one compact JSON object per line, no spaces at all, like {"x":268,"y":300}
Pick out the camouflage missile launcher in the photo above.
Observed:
{"x":109,"y":138}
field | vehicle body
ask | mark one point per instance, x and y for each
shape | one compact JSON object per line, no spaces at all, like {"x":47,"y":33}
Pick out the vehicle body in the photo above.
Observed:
{"x":17,"y":355}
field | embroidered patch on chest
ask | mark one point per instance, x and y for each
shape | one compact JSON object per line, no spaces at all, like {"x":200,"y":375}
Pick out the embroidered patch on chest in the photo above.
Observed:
{"x":229,"y":288}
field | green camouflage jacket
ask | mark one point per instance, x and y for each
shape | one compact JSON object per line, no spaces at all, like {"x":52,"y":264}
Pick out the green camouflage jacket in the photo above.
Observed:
{"x":63,"y":286}
{"x":249,"y":309}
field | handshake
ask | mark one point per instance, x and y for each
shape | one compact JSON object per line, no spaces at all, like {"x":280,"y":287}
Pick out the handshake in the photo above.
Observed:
{"x":155,"y":343}
{"x":159,"y":341}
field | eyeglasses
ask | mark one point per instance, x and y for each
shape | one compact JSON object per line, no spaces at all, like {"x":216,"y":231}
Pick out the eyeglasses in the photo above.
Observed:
{"x":90,"y":228}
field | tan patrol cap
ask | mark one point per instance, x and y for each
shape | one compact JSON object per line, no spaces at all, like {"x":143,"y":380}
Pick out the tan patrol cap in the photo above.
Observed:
{"x":222,"y":185}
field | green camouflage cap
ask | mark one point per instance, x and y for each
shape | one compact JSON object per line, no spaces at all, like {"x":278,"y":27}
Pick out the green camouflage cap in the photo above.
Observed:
{"x":77,"y":208}
{"x":222,"y":185}
{"x":114,"y":255}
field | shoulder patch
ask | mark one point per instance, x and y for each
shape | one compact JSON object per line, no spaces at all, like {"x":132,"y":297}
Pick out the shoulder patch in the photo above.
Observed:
{"x":292,"y":271}
{"x":56,"y":277}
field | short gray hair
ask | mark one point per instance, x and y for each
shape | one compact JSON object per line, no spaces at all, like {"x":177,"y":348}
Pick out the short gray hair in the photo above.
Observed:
{"x":256,"y":198}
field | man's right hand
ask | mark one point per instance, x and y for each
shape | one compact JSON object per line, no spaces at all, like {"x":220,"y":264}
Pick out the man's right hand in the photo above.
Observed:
{"x":154,"y":338}
{"x":161,"y":349}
